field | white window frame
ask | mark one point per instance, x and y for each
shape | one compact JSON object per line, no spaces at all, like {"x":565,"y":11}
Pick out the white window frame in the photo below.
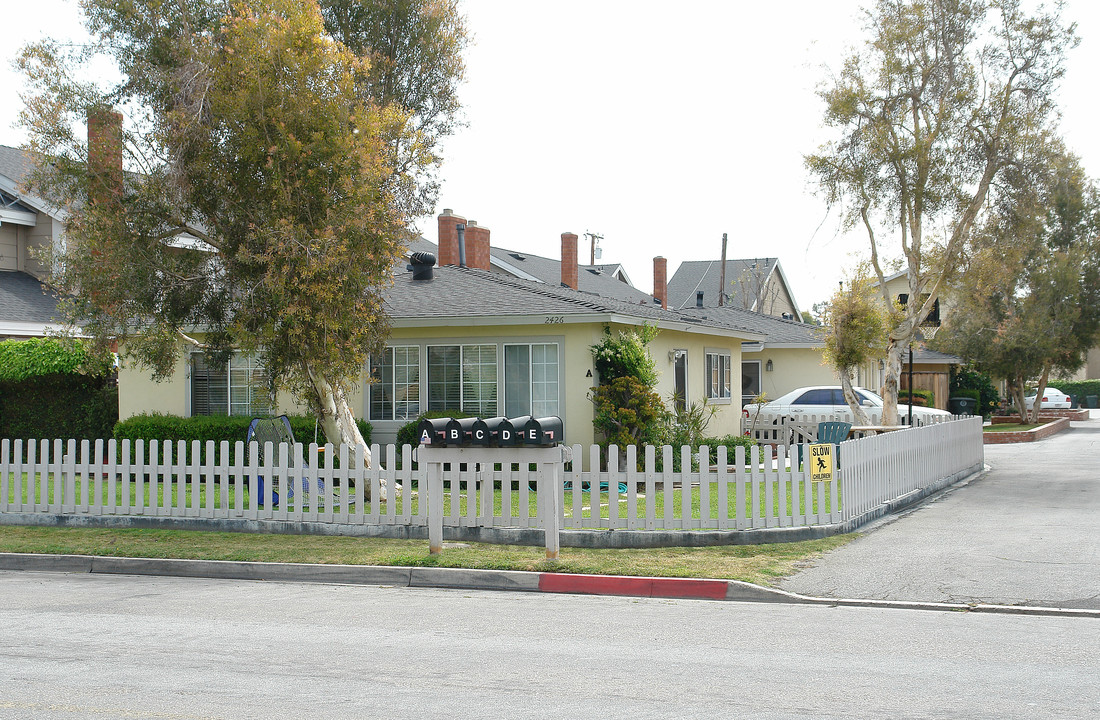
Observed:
{"x":255,"y":388}
{"x":720,"y":360}
{"x":394,"y":386}
{"x":463,"y":348}
{"x":530,"y":403}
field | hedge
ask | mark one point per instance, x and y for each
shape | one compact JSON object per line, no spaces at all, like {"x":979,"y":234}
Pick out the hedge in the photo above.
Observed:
{"x":1080,"y":389}
{"x":927,"y":396}
{"x":46,"y":357}
{"x":48,"y":407}
{"x":214,"y":427}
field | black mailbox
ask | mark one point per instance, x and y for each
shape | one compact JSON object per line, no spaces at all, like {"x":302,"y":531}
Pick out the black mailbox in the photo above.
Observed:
{"x":545,"y":431}
{"x":512,"y":430}
{"x":432,"y":431}
{"x":459,"y":431}
{"x":486,"y":432}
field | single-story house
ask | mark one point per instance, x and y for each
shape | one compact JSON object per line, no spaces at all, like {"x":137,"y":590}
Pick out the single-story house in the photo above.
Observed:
{"x":485,"y":343}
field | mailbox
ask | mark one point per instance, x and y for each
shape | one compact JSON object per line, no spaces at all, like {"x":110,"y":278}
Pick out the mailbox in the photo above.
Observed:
{"x":545,"y":431}
{"x":432,"y":431}
{"x":511,"y":431}
{"x":459,"y":431}
{"x":486,"y":432}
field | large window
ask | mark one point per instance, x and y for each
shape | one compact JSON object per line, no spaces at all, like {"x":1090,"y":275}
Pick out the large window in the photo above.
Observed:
{"x":718,"y":375}
{"x":238,"y":387}
{"x":463,"y":378}
{"x":395,"y":386}
{"x":531,"y":380}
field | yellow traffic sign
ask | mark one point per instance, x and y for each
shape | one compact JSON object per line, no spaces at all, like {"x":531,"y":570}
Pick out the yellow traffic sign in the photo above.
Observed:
{"x":821,"y":463}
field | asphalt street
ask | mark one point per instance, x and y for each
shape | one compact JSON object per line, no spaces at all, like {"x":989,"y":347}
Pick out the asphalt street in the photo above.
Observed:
{"x":113,"y":646}
{"x":1025,"y":533}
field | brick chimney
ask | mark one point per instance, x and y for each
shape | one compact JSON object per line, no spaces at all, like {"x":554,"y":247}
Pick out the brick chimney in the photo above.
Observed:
{"x":477,"y":246}
{"x":104,"y":154}
{"x":448,"y":238}
{"x":569,"y":260}
{"x":660,"y":281}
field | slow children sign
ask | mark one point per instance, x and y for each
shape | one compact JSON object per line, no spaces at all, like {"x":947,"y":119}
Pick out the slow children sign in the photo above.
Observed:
{"x":821,"y":463}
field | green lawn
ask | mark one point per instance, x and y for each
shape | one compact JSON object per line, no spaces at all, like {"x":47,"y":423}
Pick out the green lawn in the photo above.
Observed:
{"x":761,"y":564}
{"x":1011,"y":427}
{"x":154,"y":496}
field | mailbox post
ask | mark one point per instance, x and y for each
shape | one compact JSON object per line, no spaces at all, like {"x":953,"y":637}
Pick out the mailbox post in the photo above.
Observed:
{"x":442,"y":442}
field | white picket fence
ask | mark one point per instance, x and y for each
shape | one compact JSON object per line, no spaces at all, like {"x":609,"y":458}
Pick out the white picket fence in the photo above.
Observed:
{"x":765,"y":489}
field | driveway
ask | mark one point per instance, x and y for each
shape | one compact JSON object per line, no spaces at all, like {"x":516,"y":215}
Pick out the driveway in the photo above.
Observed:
{"x":1027,"y":532}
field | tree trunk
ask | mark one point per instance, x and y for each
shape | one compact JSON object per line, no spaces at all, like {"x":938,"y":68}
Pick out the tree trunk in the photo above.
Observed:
{"x":1037,"y":406}
{"x":1016,"y":390}
{"x":338,"y":421}
{"x":852,"y":399}
{"x":892,"y":382}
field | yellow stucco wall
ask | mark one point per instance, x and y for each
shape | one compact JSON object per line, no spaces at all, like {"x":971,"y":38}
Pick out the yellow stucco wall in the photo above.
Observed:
{"x":138,"y":392}
{"x":791,"y":368}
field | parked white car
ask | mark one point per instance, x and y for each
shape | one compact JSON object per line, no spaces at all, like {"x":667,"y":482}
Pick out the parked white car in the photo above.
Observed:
{"x":1052,"y":398}
{"x":828,"y":400}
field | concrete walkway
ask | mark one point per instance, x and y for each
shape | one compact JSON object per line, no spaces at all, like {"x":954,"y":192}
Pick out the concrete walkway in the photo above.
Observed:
{"x":1025,"y":533}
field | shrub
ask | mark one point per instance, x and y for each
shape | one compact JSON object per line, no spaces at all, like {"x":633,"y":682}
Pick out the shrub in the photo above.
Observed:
{"x":625,"y":355}
{"x":1079,"y":389}
{"x":628,"y":412}
{"x":966,"y":379}
{"x":213,"y":427}
{"x":731,"y":442}
{"x":58,"y":406}
{"x":37,"y":357}
{"x":925,"y":398}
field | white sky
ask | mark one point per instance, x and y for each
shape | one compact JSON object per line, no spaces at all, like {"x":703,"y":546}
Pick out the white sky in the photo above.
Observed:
{"x":658,"y":130}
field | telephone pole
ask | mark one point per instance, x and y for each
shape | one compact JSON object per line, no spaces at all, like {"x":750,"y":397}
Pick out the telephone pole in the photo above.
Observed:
{"x":594,"y":239}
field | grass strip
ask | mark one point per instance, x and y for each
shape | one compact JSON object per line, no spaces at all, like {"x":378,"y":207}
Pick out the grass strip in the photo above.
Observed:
{"x":761,"y":564}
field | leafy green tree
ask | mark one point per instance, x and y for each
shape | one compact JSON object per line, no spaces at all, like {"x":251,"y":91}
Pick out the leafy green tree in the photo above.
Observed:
{"x":943,"y":95}
{"x":1030,"y":299}
{"x":855,"y":332}
{"x":278,"y":180}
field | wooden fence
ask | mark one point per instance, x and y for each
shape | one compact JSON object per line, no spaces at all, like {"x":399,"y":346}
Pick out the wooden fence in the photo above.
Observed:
{"x":660,"y":489}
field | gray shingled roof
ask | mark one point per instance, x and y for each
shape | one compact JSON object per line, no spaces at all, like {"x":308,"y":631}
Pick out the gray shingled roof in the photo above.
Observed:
{"x":24,"y":299}
{"x":594,"y":279}
{"x":14,"y":163}
{"x":705,"y":275}
{"x":779,"y":332}
{"x":466,"y":293}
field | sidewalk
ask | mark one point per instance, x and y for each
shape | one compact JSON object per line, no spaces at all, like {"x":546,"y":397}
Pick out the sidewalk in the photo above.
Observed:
{"x":1027,"y":532}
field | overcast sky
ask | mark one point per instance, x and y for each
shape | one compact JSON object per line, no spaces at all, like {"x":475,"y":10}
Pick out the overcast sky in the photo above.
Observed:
{"x":657,"y":126}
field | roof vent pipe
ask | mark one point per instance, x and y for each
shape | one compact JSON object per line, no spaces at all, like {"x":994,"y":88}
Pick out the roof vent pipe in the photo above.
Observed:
{"x":421,"y":265}
{"x":460,"y":228}
{"x":698,"y":298}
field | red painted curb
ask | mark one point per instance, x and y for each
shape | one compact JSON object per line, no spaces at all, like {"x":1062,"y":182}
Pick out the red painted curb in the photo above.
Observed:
{"x":635,"y":586}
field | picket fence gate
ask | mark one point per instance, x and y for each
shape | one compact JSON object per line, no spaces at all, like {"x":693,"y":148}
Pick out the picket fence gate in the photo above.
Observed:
{"x":668,"y":490}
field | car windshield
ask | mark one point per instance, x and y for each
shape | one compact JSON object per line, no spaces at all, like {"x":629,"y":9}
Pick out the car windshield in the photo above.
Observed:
{"x":876,"y":401}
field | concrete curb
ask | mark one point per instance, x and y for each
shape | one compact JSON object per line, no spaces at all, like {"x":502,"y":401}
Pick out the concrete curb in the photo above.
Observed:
{"x":504,"y":580}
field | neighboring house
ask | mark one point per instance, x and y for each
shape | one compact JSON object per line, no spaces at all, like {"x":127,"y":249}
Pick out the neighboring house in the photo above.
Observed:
{"x":752,"y":284}
{"x":29,"y":229}
{"x":931,"y":370}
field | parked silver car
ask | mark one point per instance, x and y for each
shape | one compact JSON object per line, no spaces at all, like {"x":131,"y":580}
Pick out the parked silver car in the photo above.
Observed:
{"x":827,"y":400}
